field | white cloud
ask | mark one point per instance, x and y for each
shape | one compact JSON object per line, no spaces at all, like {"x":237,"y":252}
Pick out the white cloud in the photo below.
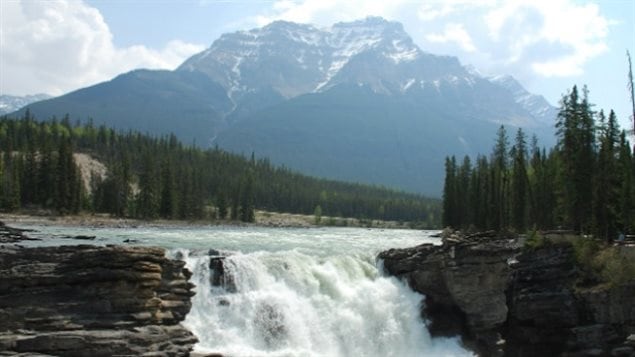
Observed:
{"x":326,"y":12}
{"x":549,"y":38}
{"x":58,"y":46}
{"x":525,"y":37}
{"x":435,"y":10}
{"x":580,"y":29}
{"x":454,"y":33}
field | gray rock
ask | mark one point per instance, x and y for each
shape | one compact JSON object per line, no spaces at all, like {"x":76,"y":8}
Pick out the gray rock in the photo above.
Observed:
{"x":623,"y":352}
{"x":93,"y":301}
{"x":503,"y":299}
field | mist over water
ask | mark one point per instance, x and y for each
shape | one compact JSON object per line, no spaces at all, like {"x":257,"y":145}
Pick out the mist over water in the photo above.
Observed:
{"x":292,"y":292}
{"x":293,"y":304}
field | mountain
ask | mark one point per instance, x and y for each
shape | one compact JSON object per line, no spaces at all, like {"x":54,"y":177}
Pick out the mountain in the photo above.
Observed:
{"x":536,"y":105}
{"x":357,"y":101}
{"x":11,"y":103}
{"x":158,"y":102}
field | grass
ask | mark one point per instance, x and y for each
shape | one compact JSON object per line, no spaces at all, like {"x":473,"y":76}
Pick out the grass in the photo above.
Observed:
{"x":599,"y":263}
{"x":613,"y":265}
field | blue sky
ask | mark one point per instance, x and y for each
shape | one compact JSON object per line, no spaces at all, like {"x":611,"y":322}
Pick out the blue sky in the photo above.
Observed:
{"x":59,"y":46}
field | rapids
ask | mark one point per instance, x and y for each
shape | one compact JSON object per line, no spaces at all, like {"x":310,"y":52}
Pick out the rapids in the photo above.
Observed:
{"x":290,"y":292}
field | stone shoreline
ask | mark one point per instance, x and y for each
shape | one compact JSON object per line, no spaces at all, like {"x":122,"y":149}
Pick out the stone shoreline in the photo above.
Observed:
{"x":263,"y":219}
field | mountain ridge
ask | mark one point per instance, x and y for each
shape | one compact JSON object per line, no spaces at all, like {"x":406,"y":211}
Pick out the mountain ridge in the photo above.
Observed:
{"x":11,"y":103}
{"x":222,"y":95}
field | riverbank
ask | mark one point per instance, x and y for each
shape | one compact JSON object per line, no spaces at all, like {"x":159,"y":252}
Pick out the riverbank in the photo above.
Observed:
{"x":93,"y":301}
{"x":509,"y":298}
{"x":263,"y":219}
{"x":275,"y":310}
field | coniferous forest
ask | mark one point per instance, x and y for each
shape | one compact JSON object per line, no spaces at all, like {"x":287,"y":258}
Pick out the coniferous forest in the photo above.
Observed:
{"x":585,"y":183}
{"x":159,"y":177}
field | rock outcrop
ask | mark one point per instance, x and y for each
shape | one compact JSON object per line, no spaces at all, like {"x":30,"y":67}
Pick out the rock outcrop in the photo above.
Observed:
{"x":13,"y":235}
{"x":93,"y":301}
{"x":506,"y":300}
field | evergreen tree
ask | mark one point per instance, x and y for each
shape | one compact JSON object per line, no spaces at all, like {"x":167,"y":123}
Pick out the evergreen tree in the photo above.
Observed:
{"x":576,"y":139}
{"x":30,"y":188}
{"x":221,"y":204}
{"x":247,"y":213}
{"x":11,"y":184}
{"x":464,"y":216}
{"x":64,"y":177}
{"x":2,"y":193}
{"x":192,"y":178}
{"x":499,"y":181}
{"x":606,"y":197}
{"x":480,"y":193}
{"x":449,"y":193}
{"x":317,"y":214}
{"x":148,"y":200}
{"x":519,"y":182}
{"x":46,"y":176}
{"x":626,"y":168}
{"x":235,"y":204}
{"x":115,"y":189}
{"x":168,"y":205}
{"x":185,"y":194}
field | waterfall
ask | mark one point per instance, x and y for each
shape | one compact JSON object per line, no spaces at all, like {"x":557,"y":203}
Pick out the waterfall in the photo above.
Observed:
{"x":289,"y":303}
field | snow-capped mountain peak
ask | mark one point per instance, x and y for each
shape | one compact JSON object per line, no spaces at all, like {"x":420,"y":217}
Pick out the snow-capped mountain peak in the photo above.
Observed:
{"x":286,"y":59}
{"x":294,"y":59}
{"x":536,"y":105}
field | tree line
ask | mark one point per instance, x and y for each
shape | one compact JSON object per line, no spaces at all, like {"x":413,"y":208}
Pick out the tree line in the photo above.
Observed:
{"x":158,"y":177}
{"x":585,"y":183}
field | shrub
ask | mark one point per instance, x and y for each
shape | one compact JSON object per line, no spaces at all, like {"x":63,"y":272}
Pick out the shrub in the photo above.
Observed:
{"x":613,"y":266}
{"x":535,"y":240}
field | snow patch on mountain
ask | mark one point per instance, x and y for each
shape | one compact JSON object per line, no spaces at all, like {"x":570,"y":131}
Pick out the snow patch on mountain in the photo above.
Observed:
{"x":12,"y":103}
{"x":536,"y":105}
{"x":292,"y":59}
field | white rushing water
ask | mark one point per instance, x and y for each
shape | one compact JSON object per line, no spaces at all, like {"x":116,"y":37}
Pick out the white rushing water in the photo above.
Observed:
{"x":292,"y":292}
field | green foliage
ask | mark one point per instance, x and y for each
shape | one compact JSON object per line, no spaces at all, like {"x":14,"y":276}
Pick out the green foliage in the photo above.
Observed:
{"x":586,"y":183}
{"x":247,"y":200}
{"x":585,"y":249}
{"x":221,"y":204}
{"x":602,"y":263}
{"x":149,"y":177}
{"x":536,"y":240}
{"x":317,"y":213}
{"x":519,"y":187}
{"x":576,"y":147}
{"x":614,"y":266}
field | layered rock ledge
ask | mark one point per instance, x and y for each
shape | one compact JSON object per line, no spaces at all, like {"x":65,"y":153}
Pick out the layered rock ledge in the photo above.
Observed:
{"x":93,"y":301}
{"x":506,"y":300}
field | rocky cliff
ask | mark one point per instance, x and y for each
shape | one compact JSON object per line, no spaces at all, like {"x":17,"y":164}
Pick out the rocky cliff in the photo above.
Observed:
{"x":93,"y":301}
{"x":506,"y":300}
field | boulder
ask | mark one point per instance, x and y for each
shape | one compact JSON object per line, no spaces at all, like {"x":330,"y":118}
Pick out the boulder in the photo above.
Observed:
{"x":93,"y":301}
{"x":464,"y":284}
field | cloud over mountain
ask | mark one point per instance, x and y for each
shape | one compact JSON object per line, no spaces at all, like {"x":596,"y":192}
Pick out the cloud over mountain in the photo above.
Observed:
{"x":525,"y":37}
{"x":58,"y":46}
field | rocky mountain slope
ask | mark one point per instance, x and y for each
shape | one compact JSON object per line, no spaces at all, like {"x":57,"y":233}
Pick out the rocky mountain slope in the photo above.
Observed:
{"x":358,"y":101}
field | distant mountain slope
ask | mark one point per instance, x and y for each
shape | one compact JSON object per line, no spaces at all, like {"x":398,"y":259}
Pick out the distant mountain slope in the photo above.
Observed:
{"x":158,"y":102}
{"x":355,"y":134}
{"x":357,"y":101}
{"x":11,"y":103}
{"x":536,"y":105}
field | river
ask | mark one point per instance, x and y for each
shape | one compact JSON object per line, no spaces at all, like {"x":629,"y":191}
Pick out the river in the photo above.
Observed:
{"x":293,"y":292}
